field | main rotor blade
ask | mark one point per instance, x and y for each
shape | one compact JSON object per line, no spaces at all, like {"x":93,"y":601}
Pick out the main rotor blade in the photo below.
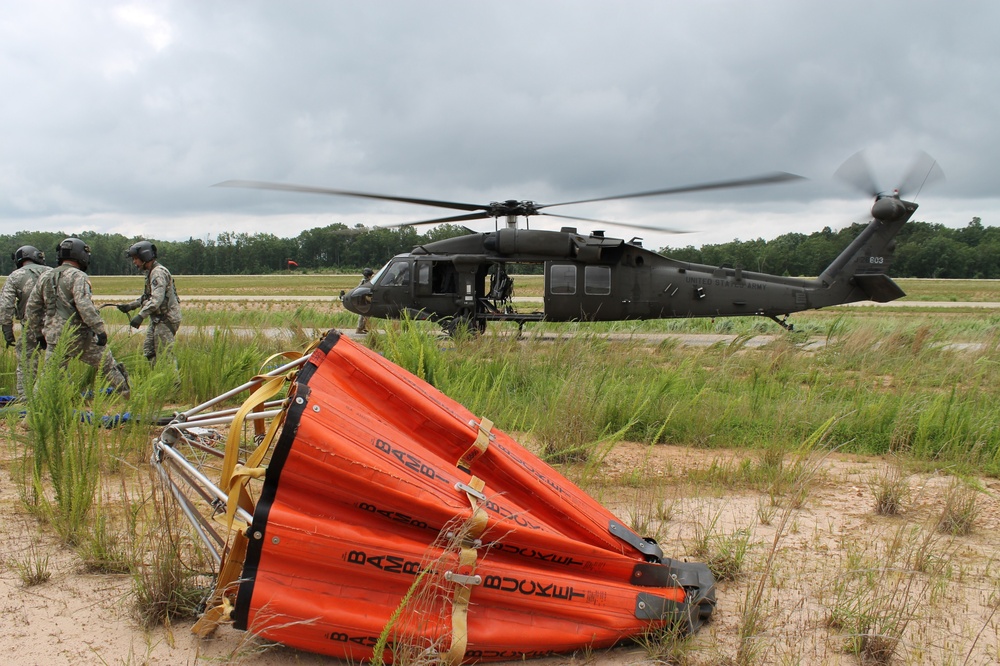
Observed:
{"x":925,"y":170}
{"x":767,"y":179}
{"x":856,"y":173}
{"x":442,"y":220}
{"x":285,"y":187}
{"x":627,"y":225}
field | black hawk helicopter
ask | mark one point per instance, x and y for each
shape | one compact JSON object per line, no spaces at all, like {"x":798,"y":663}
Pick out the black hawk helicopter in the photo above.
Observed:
{"x":463,"y":282}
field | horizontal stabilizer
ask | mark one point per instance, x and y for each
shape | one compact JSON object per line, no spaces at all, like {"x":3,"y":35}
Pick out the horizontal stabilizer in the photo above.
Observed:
{"x":880,"y":287}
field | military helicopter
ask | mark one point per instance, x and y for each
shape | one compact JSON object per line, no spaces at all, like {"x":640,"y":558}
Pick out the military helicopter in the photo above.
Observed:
{"x":463,"y":282}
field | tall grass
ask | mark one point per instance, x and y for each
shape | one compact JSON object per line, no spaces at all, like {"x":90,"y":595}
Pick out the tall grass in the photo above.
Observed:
{"x":908,"y":392}
{"x":169,"y":571}
{"x":64,"y":442}
{"x":213,"y":361}
{"x":74,"y":432}
{"x":879,"y":594}
{"x":410,"y":346}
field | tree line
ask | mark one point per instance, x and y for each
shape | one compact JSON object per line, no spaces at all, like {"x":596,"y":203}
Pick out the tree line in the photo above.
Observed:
{"x":924,"y":250}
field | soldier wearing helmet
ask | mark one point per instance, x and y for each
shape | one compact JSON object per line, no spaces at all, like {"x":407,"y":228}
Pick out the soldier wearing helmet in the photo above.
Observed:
{"x":30,"y":264}
{"x":62,"y":302}
{"x":366,"y":280}
{"x":158,"y":303}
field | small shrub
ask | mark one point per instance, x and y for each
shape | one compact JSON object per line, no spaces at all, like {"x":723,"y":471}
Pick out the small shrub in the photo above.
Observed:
{"x":163,"y":581}
{"x":767,"y":507}
{"x":668,"y":644}
{"x":724,"y":554}
{"x":890,"y":490}
{"x":106,"y":549}
{"x":729,"y":553}
{"x":32,"y":567}
{"x":961,"y":509}
{"x":881,"y":590}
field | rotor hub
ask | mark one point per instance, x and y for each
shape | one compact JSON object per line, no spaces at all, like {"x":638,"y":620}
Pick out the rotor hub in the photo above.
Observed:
{"x":512,"y":207}
{"x":888,"y":207}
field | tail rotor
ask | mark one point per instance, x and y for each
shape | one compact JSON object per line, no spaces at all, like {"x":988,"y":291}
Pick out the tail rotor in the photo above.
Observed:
{"x":856,"y":172}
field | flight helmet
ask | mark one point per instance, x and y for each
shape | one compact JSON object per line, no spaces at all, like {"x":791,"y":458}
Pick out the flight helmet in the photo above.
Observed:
{"x":145,"y":250}
{"x":27,"y":252}
{"x":75,"y":249}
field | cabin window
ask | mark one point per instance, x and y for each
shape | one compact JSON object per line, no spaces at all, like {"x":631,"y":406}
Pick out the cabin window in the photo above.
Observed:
{"x":562,"y":280}
{"x":397,"y":275}
{"x":597,"y":280}
{"x":424,"y":274}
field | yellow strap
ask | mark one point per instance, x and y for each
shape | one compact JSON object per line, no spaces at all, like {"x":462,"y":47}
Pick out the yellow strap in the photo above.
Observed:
{"x":290,"y":355}
{"x":268,"y":388}
{"x":211,"y":618}
{"x":473,"y":529}
{"x":238,"y":497}
{"x":478,"y":447}
{"x":219,"y":603}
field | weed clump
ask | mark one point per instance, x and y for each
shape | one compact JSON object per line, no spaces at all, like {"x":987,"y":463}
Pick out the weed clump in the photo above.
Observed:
{"x":961,"y":509}
{"x":890,"y":490}
{"x":32,"y":567}
{"x":880,"y":591}
{"x":165,"y":580}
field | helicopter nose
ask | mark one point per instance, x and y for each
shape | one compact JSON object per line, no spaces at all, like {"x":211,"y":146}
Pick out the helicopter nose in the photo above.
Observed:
{"x":359,"y":301}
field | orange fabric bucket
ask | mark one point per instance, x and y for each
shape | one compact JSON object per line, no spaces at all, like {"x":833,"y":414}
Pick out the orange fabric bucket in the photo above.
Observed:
{"x":362,"y":486}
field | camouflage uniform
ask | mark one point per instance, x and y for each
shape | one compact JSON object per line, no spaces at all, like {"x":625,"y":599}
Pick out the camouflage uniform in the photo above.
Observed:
{"x":366,"y":281}
{"x":363,"y":319}
{"x":159,"y":302}
{"x":61,"y":301}
{"x":13,"y":299}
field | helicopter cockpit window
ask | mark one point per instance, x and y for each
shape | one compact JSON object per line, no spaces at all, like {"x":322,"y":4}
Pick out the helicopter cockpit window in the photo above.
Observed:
{"x":597,"y":280}
{"x":424,"y":273}
{"x":562,"y":280}
{"x":397,"y":275}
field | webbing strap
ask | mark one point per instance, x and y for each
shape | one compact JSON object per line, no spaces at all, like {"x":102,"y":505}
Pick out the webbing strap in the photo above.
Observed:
{"x":474,"y":528}
{"x":268,"y":387}
{"x":219,"y":604}
{"x":478,"y":447}
{"x":241,"y":474}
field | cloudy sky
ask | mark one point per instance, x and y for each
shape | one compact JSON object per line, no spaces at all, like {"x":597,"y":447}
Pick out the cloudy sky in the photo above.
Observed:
{"x":120,"y":116}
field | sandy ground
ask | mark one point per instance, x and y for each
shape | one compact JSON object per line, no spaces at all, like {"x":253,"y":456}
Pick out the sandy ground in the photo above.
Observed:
{"x":81,"y":618}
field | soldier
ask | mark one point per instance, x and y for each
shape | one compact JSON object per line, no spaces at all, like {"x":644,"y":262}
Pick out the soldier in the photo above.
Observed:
{"x":30,"y":262}
{"x":62,"y":301}
{"x":159,"y":302}
{"x":366,"y":279}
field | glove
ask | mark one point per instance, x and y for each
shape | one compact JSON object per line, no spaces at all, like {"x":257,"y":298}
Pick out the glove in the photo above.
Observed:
{"x":8,"y":334}
{"x":136,"y":321}
{"x":102,"y":339}
{"x":123,"y":307}
{"x":42,"y":344}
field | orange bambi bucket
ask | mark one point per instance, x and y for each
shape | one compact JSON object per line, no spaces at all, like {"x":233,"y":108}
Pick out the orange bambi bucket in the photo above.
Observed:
{"x":391,"y":517}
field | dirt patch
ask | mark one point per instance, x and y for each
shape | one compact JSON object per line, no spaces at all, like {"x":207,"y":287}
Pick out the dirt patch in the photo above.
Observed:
{"x":818,"y":547}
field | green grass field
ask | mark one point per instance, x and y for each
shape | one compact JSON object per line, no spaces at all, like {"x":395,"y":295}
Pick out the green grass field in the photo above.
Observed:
{"x":307,"y":284}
